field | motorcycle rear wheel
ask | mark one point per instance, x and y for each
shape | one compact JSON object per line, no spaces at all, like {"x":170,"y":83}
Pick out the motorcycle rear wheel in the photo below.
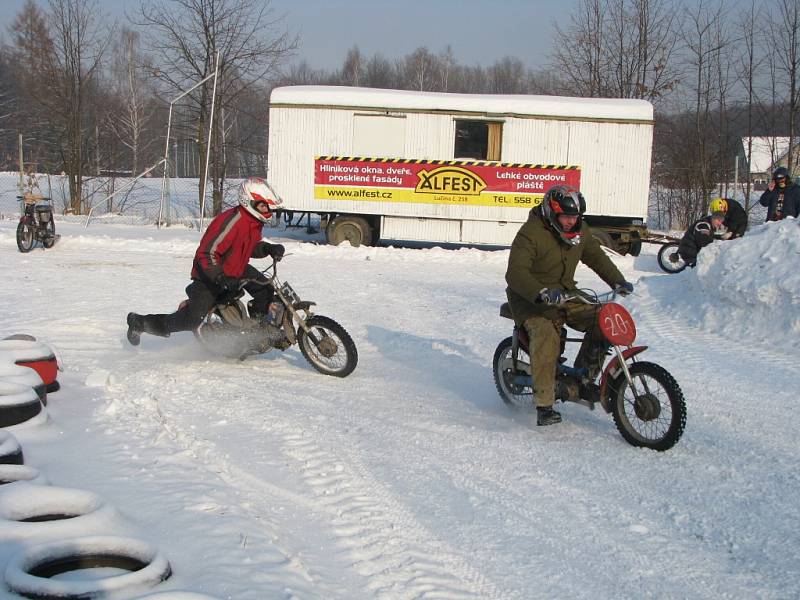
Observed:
{"x":221,"y":338}
{"x":26,"y":236}
{"x":328,"y":347}
{"x":49,"y":239}
{"x":514,"y":395}
{"x":664,"y":254}
{"x":657,"y":417}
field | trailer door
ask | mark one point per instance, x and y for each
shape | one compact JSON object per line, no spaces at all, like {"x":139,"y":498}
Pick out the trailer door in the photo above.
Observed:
{"x":379,"y":136}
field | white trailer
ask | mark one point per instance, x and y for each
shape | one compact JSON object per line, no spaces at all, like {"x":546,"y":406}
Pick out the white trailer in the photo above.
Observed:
{"x":456,"y":168}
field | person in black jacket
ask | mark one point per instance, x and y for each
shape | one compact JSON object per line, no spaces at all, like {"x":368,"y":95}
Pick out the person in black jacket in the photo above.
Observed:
{"x":699,"y":235}
{"x":782,"y":198}
{"x":735,"y":217}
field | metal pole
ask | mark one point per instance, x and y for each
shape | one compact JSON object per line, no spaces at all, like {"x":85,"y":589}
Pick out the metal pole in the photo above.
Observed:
{"x":208,"y":144}
{"x":166,"y":148}
{"x":21,"y":177}
{"x":736,"y":174}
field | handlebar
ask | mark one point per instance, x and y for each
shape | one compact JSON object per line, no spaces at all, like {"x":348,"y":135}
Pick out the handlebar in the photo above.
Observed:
{"x":588,"y":296}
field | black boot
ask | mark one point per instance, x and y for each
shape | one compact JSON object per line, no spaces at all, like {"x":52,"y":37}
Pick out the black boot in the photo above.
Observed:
{"x":135,"y":328}
{"x":545,"y":415}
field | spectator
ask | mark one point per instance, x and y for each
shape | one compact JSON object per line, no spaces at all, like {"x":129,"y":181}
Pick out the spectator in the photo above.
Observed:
{"x":782,"y":198}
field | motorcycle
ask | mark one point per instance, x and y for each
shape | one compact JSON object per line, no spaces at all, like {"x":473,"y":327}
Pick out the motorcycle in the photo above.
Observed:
{"x":35,"y":224}
{"x":229,"y":330}
{"x":645,"y":401}
{"x":669,"y":260}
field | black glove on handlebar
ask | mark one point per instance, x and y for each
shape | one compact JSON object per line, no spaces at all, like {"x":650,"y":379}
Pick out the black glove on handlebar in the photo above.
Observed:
{"x":625,"y":288}
{"x":276,"y":251}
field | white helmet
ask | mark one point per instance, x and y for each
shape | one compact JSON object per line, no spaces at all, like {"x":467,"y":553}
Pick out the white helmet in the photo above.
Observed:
{"x":255,"y":191}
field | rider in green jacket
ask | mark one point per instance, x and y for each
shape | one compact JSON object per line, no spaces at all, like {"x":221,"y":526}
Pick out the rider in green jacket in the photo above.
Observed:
{"x":541,"y":271}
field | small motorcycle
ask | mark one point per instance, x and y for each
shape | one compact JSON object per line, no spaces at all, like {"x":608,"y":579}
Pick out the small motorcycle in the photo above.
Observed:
{"x":669,"y":260}
{"x":35,"y":224}
{"x":645,"y":401}
{"x":229,"y":330}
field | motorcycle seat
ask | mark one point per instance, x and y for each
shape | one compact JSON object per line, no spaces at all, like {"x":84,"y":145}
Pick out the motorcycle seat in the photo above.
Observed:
{"x":505,"y":311}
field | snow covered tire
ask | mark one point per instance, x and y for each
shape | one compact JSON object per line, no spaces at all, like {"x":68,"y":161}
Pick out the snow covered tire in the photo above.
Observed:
{"x":18,"y":403}
{"x":30,"y":573}
{"x":20,"y":473}
{"x":326,"y":331}
{"x":10,"y":450}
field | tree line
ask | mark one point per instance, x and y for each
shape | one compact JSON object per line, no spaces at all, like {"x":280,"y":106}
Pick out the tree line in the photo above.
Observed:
{"x":90,"y":96}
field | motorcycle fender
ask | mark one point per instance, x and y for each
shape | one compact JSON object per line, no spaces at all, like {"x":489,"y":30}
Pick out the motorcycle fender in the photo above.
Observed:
{"x":613,"y":369}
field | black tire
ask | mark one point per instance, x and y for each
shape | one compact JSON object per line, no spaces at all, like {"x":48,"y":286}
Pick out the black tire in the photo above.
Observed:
{"x":329,"y":349}
{"x":10,"y":450}
{"x":635,"y":248}
{"x":30,"y":573}
{"x":516,"y":396}
{"x":18,"y":403}
{"x":668,"y":266}
{"x":49,"y":240}
{"x":656,"y":418}
{"x":26,"y":236}
{"x":353,"y":229}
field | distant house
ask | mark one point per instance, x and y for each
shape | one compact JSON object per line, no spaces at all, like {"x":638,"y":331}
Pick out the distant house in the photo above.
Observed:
{"x":768,"y":153}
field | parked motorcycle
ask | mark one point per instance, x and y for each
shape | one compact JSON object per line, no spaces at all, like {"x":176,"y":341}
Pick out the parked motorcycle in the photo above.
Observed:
{"x":669,"y":260}
{"x":36,"y":223}
{"x":646,"y":402}
{"x":229,"y":330}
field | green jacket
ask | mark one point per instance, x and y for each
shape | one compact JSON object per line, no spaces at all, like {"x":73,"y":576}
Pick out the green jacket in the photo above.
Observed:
{"x":539,"y":259}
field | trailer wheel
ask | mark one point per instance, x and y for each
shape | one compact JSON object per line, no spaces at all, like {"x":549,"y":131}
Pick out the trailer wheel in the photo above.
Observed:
{"x":605,"y":239}
{"x":355,"y":230}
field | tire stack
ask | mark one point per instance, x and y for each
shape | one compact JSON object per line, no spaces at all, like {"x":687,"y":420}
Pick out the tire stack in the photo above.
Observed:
{"x":49,"y":530}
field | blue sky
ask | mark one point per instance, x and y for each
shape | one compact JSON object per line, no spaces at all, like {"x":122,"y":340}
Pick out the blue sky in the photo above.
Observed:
{"x":479,"y":31}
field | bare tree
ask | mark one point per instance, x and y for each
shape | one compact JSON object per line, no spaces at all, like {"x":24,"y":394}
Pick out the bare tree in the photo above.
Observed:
{"x":135,"y":97}
{"x":787,"y":40}
{"x":185,"y":36}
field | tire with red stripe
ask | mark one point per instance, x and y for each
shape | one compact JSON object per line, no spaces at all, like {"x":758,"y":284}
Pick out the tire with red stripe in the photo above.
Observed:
{"x":35,"y":355}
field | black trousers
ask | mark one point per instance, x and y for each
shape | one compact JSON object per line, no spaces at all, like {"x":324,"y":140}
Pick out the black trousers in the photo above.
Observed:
{"x":201,"y":298}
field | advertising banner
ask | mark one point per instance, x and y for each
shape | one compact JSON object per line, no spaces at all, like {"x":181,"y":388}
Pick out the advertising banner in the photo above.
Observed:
{"x":465,"y":183}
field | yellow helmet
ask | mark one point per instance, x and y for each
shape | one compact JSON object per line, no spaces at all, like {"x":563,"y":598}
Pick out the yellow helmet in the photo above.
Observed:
{"x":718,"y":205}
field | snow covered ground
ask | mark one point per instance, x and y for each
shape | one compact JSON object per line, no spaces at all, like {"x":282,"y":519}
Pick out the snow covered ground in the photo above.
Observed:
{"x":410,"y":479}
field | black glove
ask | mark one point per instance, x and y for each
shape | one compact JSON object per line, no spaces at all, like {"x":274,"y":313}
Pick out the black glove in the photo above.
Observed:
{"x":276,"y":251}
{"x":624,"y":288}
{"x":551,"y":296}
{"x":226,"y":283}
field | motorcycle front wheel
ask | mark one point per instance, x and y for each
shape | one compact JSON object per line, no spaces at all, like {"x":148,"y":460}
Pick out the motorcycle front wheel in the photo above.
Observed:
{"x":328,"y":347}
{"x":653,"y":416}
{"x":507,"y":380}
{"x":669,"y":260}
{"x":26,"y":236}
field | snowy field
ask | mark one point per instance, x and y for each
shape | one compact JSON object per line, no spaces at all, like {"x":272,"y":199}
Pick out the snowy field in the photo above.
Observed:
{"x":410,"y":479}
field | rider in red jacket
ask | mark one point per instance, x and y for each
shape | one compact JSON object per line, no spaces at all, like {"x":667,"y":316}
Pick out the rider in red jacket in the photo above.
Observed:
{"x":221,"y":264}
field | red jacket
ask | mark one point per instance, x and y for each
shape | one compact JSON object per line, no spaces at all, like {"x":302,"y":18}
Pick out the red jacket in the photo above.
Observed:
{"x":227,"y":245}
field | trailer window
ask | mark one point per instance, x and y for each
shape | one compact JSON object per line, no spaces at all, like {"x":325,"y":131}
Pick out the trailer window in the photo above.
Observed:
{"x":478,"y":139}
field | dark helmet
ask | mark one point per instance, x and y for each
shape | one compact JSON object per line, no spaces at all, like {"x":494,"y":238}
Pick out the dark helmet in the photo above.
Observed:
{"x":564,"y":200}
{"x":781,"y":174}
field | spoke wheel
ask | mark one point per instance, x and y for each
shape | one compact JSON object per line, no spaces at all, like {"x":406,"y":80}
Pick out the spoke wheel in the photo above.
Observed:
{"x":49,"y":239}
{"x":220,"y":338}
{"x":25,"y":236}
{"x":328,"y":347}
{"x":669,"y":260}
{"x":508,"y":381}
{"x":656,"y":417}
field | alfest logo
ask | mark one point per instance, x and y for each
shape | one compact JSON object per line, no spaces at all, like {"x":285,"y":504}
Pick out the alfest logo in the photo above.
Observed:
{"x":449,"y":180}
